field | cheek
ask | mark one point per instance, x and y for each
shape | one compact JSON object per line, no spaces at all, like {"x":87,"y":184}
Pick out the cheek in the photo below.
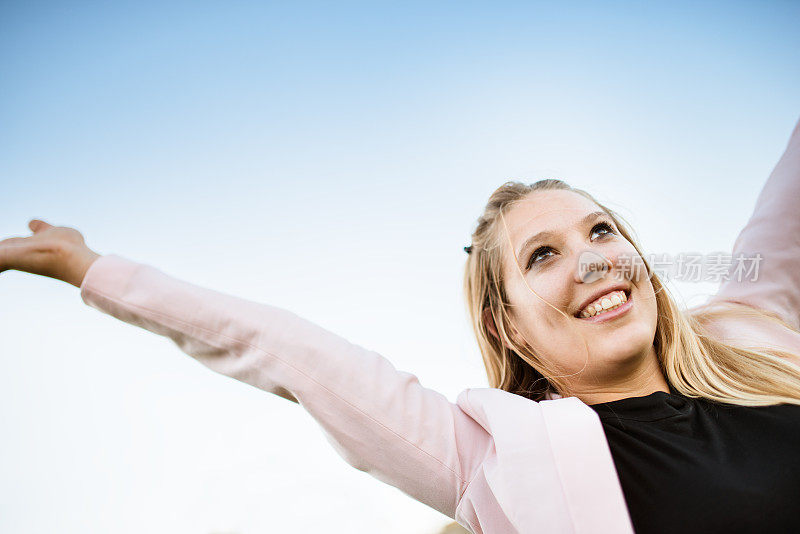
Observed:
{"x":542,"y":313}
{"x":551,"y":285}
{"x":650,"y":308}
{"x":551,"y":335}
{"x":647,"y":296}
{"x":536,"y":321}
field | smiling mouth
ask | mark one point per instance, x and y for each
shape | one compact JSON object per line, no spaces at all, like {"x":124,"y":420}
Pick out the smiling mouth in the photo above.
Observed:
{"x":608,"y":306}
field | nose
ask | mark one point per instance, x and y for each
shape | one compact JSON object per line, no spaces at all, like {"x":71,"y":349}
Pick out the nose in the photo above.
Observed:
{"x":592,"y":266}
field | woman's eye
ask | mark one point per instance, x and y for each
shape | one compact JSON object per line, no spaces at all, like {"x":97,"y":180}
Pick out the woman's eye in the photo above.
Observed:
{"x":601,"y":229}
{"x":542,"y":253}
{"x":539,"y":254}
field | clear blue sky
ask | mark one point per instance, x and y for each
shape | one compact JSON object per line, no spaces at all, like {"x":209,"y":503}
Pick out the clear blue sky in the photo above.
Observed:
{"x":332,"y":159}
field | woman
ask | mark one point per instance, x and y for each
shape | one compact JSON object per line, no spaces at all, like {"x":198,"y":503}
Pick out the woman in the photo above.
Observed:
{"x":610,"y":410}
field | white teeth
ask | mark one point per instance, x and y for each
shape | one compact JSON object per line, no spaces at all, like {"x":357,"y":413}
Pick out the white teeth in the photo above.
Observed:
{"x":607,"y":302}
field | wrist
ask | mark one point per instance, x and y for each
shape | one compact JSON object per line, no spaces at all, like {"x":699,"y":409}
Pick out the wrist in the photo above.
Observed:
{"x":78,"y":261}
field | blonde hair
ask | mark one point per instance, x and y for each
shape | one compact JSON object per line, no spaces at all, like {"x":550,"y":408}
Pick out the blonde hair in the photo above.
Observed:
{"x":694,"y":362}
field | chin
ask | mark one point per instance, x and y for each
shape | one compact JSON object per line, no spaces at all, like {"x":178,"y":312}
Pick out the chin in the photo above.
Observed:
{"x":625,"y":345}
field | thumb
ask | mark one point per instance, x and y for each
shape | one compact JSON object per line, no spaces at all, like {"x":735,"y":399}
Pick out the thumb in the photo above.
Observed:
{"x":38,"y":225}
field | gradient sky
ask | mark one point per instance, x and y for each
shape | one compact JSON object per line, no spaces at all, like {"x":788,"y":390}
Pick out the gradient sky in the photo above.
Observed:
{"x":331,"y":159}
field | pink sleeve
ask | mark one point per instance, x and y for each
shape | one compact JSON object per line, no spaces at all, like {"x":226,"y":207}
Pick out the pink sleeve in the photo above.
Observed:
{"x":379,"y":419}
{"x":773,"y":231}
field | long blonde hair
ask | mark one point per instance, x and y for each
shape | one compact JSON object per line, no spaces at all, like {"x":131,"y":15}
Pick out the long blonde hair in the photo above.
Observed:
{"x":694,"y":362}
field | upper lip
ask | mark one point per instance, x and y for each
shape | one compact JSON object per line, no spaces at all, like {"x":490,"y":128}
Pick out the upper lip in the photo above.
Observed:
{"x":599,"y":293}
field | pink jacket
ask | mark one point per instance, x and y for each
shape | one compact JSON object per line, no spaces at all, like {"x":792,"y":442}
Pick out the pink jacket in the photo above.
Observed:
{"x":493,"y":461}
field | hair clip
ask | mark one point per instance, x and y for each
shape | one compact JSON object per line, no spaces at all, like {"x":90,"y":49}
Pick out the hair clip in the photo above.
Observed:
{"x":468,"y":249}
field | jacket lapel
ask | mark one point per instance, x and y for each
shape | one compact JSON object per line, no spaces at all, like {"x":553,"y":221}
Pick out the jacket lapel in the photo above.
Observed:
{"x":552,"y":470}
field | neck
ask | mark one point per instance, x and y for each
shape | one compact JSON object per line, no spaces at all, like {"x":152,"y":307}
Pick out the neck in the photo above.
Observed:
{"x":644,"y":379}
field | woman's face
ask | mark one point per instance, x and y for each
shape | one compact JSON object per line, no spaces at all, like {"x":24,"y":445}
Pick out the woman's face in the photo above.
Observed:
{"x":570,"y":253}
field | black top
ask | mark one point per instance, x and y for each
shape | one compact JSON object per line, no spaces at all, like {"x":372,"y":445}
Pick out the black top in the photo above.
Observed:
{"x":697,"y":466}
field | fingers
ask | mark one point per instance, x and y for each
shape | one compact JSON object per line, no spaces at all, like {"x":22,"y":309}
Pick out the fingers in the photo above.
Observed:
{"x":38,"y":225}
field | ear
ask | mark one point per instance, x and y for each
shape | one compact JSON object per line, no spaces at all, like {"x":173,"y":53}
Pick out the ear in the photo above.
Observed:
{"x":489,"y":321}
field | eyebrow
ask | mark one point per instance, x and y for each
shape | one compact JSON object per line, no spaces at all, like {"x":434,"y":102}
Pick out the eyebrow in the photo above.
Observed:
{"x":545,"y":235}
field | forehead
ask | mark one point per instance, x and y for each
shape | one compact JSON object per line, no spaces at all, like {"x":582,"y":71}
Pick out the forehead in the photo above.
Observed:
{"x":545,"y":211}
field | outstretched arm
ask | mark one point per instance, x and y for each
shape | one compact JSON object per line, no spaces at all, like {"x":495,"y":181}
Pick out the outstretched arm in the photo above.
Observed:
{"x":379,"y":419}
{"x":773,"y":232}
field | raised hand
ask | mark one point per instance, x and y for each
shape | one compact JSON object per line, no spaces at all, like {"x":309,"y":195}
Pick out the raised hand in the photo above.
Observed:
{"x":57,"y":252}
